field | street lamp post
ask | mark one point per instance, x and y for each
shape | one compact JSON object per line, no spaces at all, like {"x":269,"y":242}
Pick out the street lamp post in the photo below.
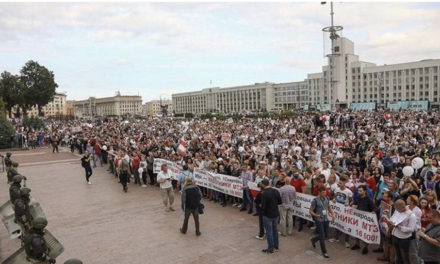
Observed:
{"x":381,"y":93}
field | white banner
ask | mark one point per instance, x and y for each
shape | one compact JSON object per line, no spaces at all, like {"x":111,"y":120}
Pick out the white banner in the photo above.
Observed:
{"x":356,"y":223}
{"x":222,"y":183}
{"x":173,"y":168}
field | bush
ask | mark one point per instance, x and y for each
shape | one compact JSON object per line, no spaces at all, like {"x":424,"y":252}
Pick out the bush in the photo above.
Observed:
{"x":33,"y":122}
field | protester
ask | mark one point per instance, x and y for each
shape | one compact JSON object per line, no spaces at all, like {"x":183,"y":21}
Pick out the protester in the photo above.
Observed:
{"x":364,"y":147}
{"x":124,"y":173}
{"x":191,"y":196}
{"x":320,"y":210}
{"x":363,"y":203}
{"x":288,"y":194}
{"x":164,"y":179}
{"x":261,"y":233}
{"x":85,"y":163}
{"x":270,"y":199}
{"x":403,"y":224}
{"x":343,"y":196}
{"x":430,"y":239}
{"x":248,"y":201}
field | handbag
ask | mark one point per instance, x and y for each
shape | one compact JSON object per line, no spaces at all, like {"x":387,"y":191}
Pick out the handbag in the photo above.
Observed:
{"x":200,"y":208}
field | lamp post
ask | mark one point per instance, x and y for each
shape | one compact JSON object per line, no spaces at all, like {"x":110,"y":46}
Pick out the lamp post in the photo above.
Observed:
{"x":381,"y":93}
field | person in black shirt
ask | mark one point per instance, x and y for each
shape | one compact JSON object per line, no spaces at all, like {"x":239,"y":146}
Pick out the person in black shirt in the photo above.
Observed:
{"x":363,"y":203}
{"x":85,"y":163}
{"x":191,"y":196}
{"x":260,"y":214}
{"x":270,"y":199}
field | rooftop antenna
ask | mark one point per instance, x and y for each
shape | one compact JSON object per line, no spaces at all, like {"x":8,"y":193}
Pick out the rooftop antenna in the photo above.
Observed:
{"x":332,"y":29}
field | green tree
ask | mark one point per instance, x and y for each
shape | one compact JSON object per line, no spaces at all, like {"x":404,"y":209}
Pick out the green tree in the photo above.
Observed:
{"x":2,"y":109}
{"x":10,"y":91}
{"x":33,"y":122}
{"x":39,"y":85}
{"x":6,"y":128}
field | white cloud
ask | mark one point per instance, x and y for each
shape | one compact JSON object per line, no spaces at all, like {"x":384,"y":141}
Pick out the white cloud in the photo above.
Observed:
{"x":122,"y":62}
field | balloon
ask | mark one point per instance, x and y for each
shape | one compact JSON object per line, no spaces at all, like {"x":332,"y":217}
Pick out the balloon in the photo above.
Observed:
{"x":387,"y":116}
{"x":408,"y":171}
{"x":417,"y":163}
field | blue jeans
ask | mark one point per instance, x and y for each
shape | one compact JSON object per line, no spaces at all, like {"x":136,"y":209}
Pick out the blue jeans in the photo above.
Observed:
{"x":321,"y":234}
{"x":270,"y":224}
{"x":248,"y":200}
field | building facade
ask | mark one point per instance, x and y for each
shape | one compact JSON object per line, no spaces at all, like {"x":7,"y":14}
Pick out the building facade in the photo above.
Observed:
{"x":70,"y":111}
{"x":56,"y":107}
{"x":344,"y":81}
{"x":249,"y":98}
{"x":153,"y":108}
{"x":118,"y":105}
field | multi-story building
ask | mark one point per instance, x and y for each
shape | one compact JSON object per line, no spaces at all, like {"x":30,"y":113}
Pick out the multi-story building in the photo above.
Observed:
{"x":292,"y":95}
{"x":56,"y":107}
{"x":248,"y":98}
{"x":153,"y":108}
{"x":70,"y":109}
{"x":412,"y":81}
{"x":118,"y":105}
{"x":344,"y":82}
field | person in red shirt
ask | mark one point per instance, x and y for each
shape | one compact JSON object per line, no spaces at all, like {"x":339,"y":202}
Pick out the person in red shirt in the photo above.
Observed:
{"x":97,"y":154}
{"x":300,"y":186}
{"x":135,"y":162}
{"x":371,"y":182}
{"x":320,"y":181}
{"x":298,"y":182}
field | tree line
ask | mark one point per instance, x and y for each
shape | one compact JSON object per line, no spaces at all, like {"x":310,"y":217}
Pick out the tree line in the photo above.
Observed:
{"x":35,"y":86}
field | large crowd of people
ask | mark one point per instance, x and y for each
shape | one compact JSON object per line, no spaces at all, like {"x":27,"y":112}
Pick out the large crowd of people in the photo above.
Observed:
{"x":352,"y":158}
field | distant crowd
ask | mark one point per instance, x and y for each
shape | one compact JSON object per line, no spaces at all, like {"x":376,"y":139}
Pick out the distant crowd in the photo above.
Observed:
{"x":348,"y":155}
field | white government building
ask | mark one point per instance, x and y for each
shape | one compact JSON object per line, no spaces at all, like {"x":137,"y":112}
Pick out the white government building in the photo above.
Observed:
{"x":346,"y":82}
{"x":118,"y":105}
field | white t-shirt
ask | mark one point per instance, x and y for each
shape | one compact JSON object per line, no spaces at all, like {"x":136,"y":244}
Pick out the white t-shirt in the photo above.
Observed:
{"x":418,"y":213}
{"x":163,"y":176}
{"x":343,"y":196}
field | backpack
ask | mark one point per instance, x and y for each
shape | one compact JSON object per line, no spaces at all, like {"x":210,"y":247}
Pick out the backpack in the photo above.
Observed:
{"x":19,"y":208}
{"x":38,"y":247}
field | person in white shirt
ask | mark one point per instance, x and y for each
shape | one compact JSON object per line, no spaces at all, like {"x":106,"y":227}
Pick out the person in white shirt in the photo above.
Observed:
{"x":326,"y":171}
{"x":344,"y":196}
{"x":403,"y":223}
{"x":412,"y":202}
{"x":164,"y":179}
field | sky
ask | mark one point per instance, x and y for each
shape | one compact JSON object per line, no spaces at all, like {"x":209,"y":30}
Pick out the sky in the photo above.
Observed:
{"x":157,"y":49}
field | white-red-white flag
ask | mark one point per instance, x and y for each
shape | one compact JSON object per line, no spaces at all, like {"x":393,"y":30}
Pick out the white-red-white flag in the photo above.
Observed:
{"x":181,"y":149}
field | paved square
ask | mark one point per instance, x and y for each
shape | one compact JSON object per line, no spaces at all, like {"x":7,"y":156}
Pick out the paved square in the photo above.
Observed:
{"x":100,"y":224}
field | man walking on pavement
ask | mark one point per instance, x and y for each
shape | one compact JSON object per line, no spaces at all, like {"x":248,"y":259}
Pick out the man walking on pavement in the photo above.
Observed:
{"x":320,"y":211}
{"x":85,"y":163}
